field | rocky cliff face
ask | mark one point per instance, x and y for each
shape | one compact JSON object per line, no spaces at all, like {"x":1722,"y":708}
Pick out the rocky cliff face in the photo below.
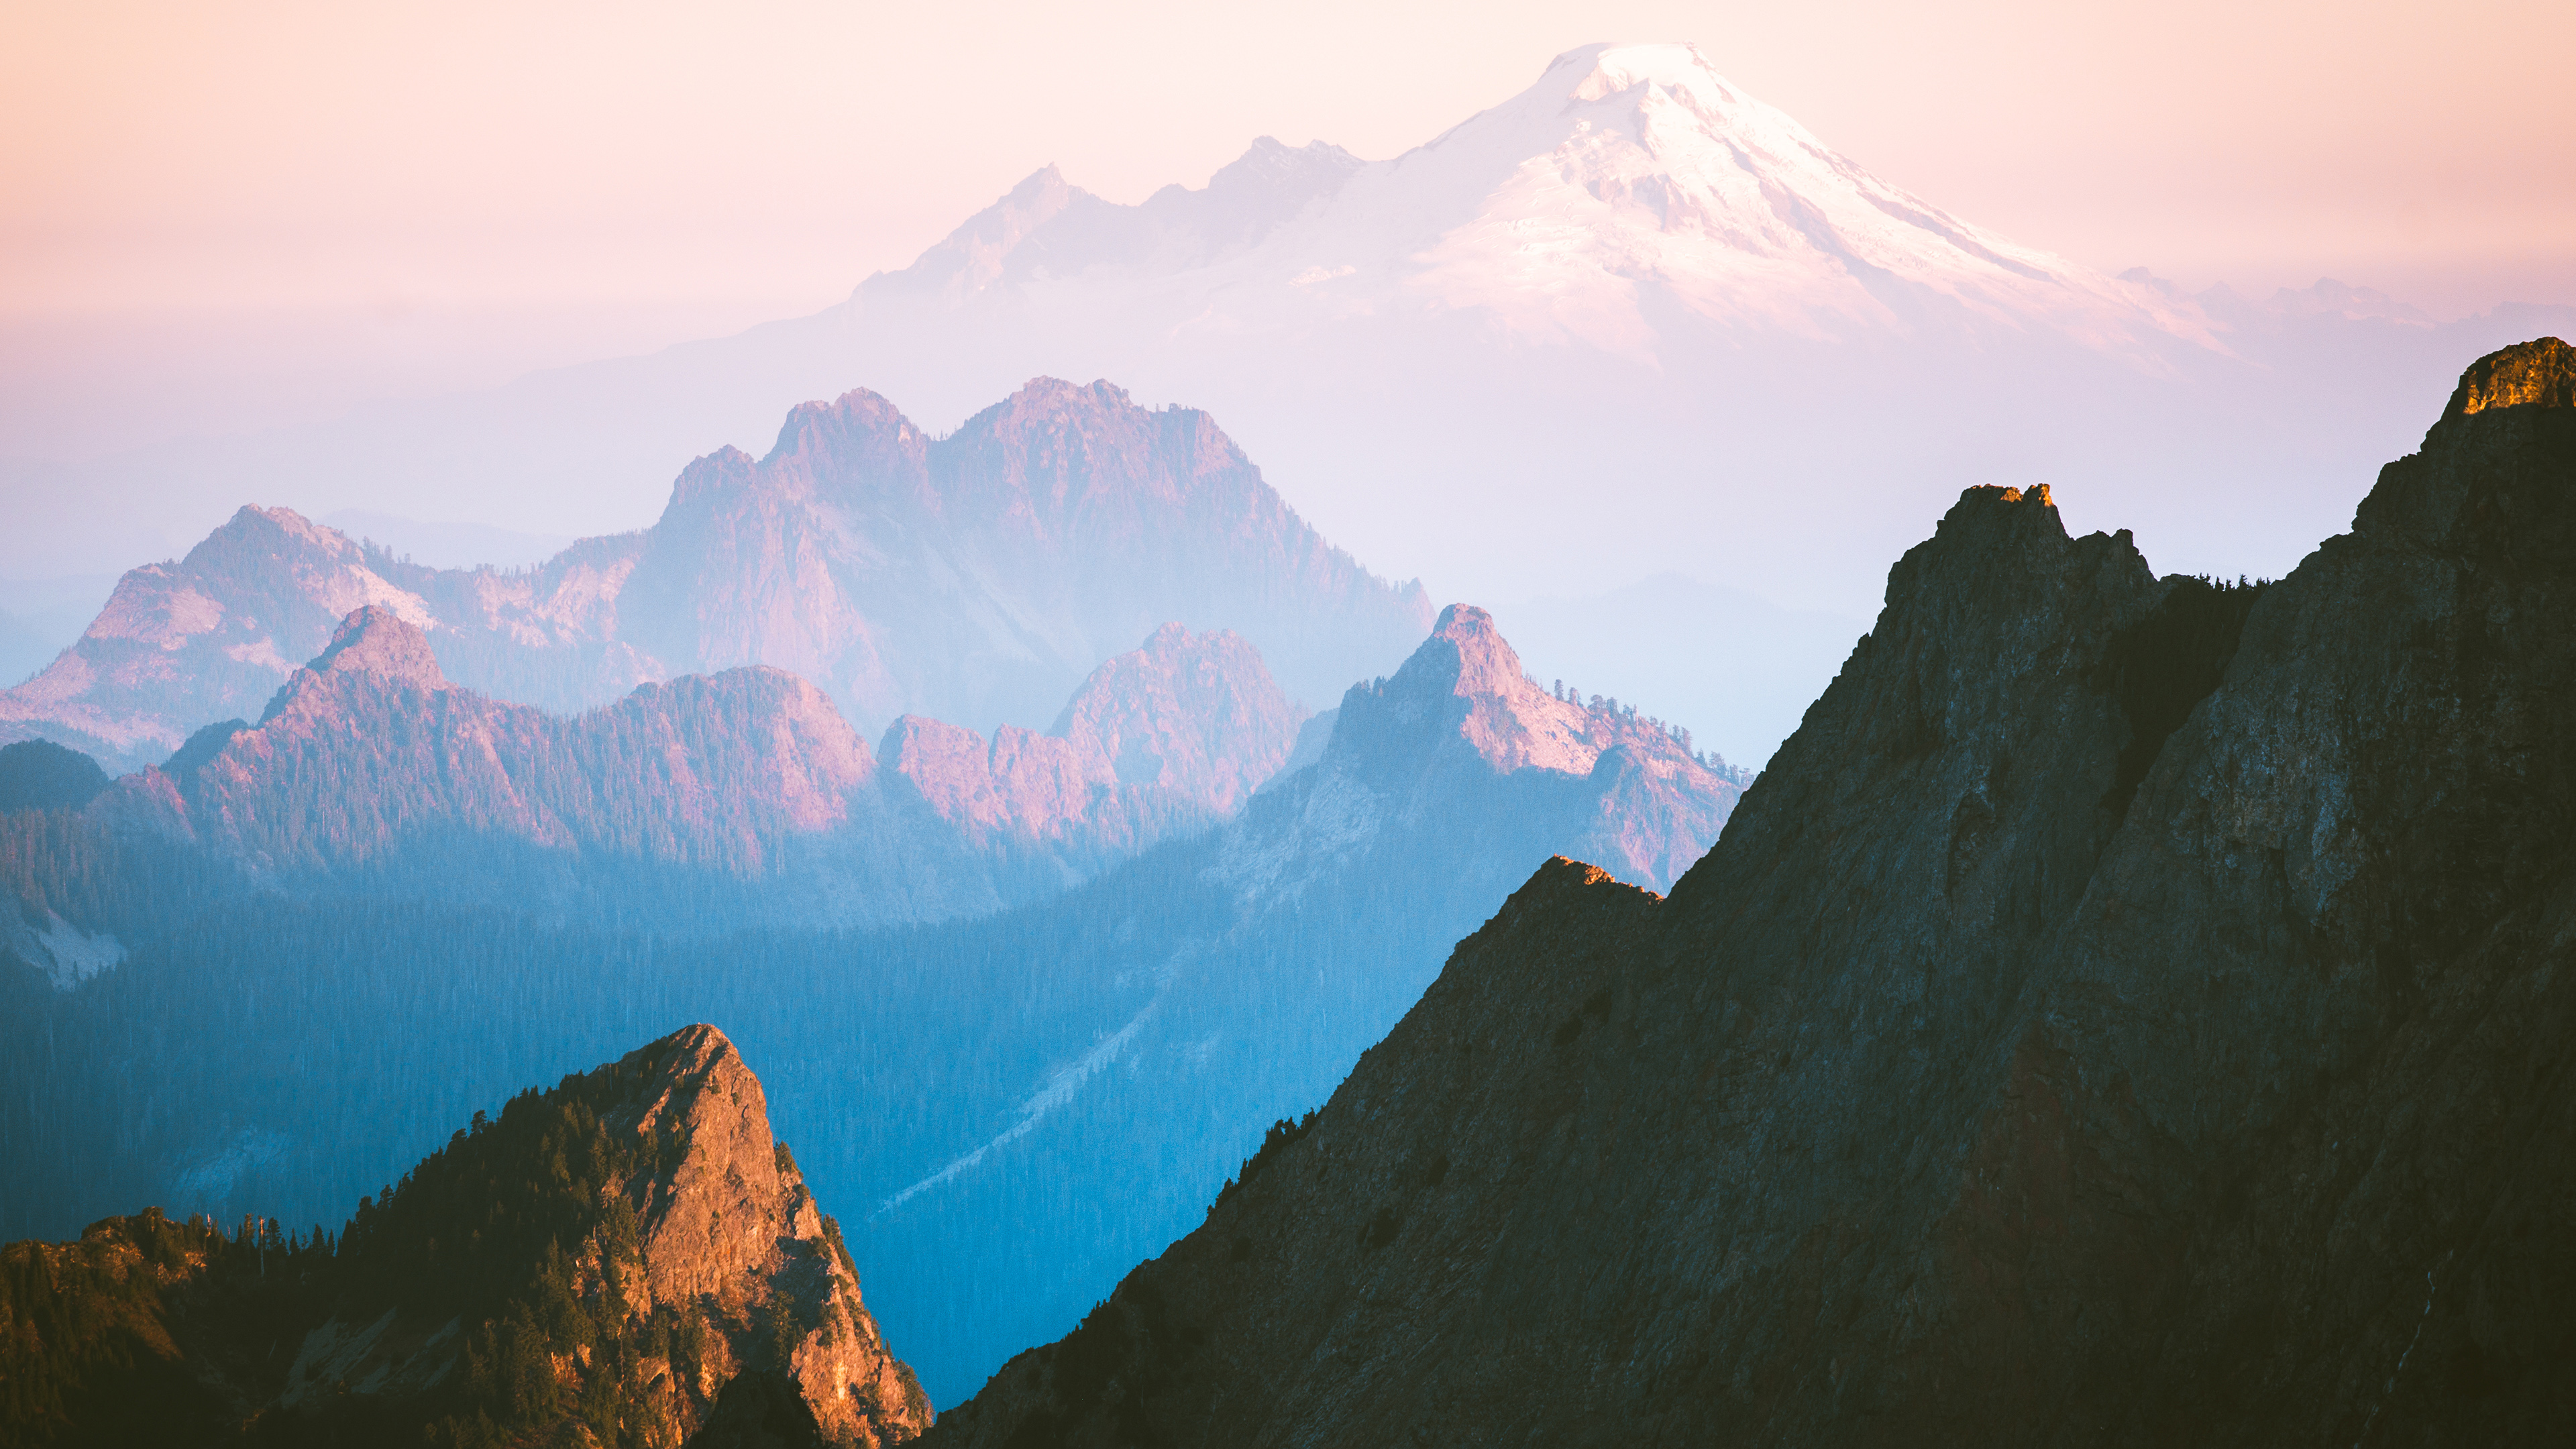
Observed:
{"x":975,"y":578}
{"x":629,"y":1257}
{"x":2128,"y":1011}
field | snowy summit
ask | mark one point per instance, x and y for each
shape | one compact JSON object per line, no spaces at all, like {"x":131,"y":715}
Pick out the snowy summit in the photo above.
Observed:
{"x":1630,"y":180}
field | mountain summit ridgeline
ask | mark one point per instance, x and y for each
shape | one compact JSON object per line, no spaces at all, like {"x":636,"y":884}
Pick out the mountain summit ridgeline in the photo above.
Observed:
{"x":705,"y":801}
{"x":976,"y":578}
{"x":2130,"y":1010}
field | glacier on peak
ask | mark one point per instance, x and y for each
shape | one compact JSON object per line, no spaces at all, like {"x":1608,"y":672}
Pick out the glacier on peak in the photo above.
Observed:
{"x":1626,"y":170}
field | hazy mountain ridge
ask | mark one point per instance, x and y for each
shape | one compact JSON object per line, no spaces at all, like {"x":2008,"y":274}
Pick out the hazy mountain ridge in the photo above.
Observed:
{"x":2129,"y":1010}
{"x":1461,"y":710}
{"x":704,"y":803}
{"x":1751,"y":337}
{"x":1158,"y":742}
{"x":975,"y":578}
{"x":629,"y":1256}
{"x":1176,"y":1004}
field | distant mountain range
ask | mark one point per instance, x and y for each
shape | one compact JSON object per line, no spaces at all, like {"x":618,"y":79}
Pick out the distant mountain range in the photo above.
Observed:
{"x":701,"y":804}
{"x":976,"y":578}
{"x":416,"y":898}
{"x":1630,"y":292}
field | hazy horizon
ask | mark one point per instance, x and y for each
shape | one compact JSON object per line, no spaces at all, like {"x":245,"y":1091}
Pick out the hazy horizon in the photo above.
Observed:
{"x":495,"y":194}
{"x":192,"y":258}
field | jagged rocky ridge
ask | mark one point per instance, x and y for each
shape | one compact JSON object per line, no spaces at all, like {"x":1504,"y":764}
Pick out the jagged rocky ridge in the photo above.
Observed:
{"x":629,"y":1258}
{"x":975,"y":578}
{"x":2128,"y":1011}
{"x":700,"y":800}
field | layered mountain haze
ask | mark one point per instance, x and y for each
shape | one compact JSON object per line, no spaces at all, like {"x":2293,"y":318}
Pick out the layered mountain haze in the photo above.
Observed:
{"x":705,"y":802}
{"x":1137,"y":1033}
{"x":1629,"y":292}
{"x":628,"y":1258}
{"x":1229,"y":1002}
{"x":976,"y":578}
{"x":1019,"y":1105}
{"x":2129,"y":1010}
{"x":1168,"y":739}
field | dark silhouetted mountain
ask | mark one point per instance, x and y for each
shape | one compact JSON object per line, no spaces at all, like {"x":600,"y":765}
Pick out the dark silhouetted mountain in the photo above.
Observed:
{"x":976,"y":578}
{"x":608,"y":1261}
{"x":2129,"y":1010}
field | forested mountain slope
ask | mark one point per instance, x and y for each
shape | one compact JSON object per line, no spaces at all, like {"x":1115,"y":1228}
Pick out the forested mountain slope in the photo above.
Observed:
{"x":627,"y":1259}
{"x":703,"y":804}
{"x":2128,"y":1011}
{"x":1017,"y":1106}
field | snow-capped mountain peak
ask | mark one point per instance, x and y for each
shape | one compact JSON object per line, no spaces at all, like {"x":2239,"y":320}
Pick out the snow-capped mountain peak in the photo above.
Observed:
{"x":1630,"y":182}
{"x":1630,"y":169}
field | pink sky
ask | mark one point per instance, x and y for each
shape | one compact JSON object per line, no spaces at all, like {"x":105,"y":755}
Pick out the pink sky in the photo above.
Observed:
{"x":339,"y":200}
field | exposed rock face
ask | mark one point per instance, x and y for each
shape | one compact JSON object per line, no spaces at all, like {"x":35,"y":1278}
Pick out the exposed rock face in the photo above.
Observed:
{"x":975,"y":578}
{"x":369,"y":768}
{"x":629,"y":1255}
{"x":2128,"y":1011}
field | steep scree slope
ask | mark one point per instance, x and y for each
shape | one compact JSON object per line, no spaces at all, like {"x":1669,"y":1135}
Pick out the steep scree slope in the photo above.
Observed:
{"x":1993,"y":1080}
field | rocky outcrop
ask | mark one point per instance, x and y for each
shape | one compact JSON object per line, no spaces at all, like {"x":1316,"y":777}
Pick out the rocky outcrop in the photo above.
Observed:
{"x":629,"y":1257}
{"x":2128,"y":1011}
{"x":976,"y":578}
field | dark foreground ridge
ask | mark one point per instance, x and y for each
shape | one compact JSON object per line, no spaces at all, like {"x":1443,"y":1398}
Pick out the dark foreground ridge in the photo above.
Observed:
{"x":628,"y":1259}
{"x":2128,"y":1011}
